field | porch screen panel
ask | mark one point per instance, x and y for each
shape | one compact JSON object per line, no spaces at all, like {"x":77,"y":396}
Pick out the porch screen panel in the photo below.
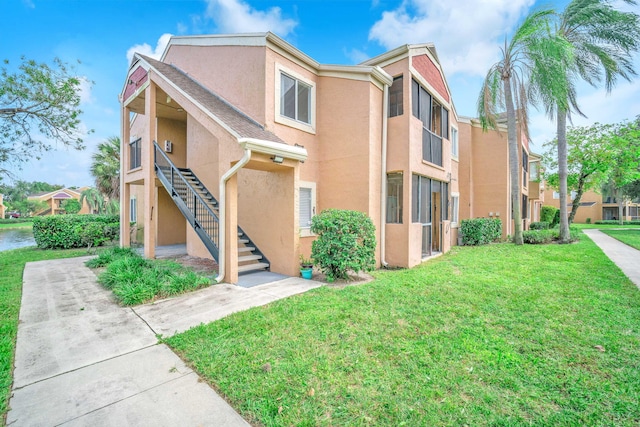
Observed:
{"x":425,"y":200}
{"x":445,"y":123}
{"x":425,"y":108}
{"x":394,"y":198}
{"x":415,"y":198}
{"x":444,"y":196}
{"x":426,"y":145}
{"x":436,"y":150}
{"x":395,"y":97}
{"x":415,"y":99}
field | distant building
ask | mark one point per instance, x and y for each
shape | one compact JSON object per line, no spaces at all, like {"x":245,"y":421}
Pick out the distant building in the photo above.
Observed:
{"x":595,"y":206}
{"x":54,"y":200}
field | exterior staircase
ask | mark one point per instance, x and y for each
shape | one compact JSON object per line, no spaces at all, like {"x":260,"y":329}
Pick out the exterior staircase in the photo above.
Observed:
{"x":201,"y":210}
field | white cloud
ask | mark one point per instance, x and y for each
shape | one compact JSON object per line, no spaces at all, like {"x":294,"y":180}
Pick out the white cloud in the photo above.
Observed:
{"x":466,"y":33}
{"x":85,"y":91}
{"x":355,"y":55}
{"x":236,"y":16}
{"x":147,"y":50}
{"x":623,"y":103}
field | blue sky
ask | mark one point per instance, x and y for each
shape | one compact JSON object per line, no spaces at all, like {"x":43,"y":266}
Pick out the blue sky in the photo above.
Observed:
{"x":104,"y":33}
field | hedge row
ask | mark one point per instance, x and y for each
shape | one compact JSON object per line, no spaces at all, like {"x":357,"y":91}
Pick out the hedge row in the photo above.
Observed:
{"x":74,"y":231}
{"x":480,"y":231}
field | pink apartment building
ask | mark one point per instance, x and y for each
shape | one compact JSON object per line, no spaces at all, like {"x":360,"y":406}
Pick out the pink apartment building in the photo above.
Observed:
{"x":235,"y":142}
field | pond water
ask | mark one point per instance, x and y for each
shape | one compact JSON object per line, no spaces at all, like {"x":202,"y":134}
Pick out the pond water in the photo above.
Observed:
{"x":14,"y":238}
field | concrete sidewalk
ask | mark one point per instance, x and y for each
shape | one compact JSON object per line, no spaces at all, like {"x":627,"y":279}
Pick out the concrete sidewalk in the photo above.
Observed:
{"x":624,"y":256}
{"x":83,"y":360}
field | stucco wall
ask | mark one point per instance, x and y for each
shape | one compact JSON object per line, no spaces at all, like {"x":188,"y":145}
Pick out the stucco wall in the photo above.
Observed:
{"x":267,"y":212}
{"x":236,"y":73}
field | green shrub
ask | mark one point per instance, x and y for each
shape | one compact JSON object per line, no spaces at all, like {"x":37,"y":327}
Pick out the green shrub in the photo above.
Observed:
{"x":136,"y":280}
{"x":480,"y":231}
{"x":74,"y":231}
{"x":541,"y":225}
{"x":547,"y":213}
{"x":108,"y":256}
{"x":71,"y":206}
{"x":346,"y":242}
{"x":556,"y":218}
{"x":539,"y":236}
{"x":588,"y":220}
{"x":616,"y":222}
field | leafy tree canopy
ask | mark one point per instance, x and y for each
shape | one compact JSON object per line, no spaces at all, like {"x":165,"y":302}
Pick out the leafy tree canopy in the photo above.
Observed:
{"x":39,"y":108}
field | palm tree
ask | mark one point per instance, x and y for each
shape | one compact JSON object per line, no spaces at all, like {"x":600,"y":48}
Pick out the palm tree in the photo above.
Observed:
{"x":105,"y":167}
{"x":603,"y":40}
{"x":527,"y":72}
{"x":95,"y":200}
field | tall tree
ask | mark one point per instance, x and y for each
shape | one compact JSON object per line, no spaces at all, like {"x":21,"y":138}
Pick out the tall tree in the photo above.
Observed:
{"x":39,"y":107}
{"x":603,"y":40}
{"x":94,"y":199}
{"x":589,"y":160}
{"x":625,"y":169}
{"x":105,"y":167}
{"x":527,"y":72}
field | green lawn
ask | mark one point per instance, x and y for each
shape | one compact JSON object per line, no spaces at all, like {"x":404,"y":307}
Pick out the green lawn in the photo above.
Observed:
{"x":495,"y":335}
{"x":11,"y":269}
{"x":630,"y":237}
{"x":604,"y":226}
{"x":6,"y":225}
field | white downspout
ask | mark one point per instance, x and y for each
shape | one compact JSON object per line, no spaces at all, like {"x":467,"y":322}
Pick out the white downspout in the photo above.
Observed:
{"x":383,"y":177}
{"x":222,"y":211}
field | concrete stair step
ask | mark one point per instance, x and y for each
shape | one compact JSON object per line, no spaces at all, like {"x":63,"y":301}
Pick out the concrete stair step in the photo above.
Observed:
{"x":243,"y":241}
{"x":249,"y":258}
{"x":246,"y":249}
{"x":253,"y":267}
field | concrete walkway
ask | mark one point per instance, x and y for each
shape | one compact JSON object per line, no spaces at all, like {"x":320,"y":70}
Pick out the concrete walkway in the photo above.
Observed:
{"x":624,"y":256}
{"x":83,"y":360}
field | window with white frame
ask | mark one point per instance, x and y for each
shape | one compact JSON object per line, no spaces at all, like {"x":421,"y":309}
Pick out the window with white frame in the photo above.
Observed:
{"x":133,"y":209}
{"x":454,"y":142}
{"x":455,"y":207}
{"x":556,"y":195}
{"x":295,"y":99}
{"x":307,"y":206}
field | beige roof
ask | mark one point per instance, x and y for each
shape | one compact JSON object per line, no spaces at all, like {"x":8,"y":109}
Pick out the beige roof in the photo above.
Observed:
{"x":240,"y":123}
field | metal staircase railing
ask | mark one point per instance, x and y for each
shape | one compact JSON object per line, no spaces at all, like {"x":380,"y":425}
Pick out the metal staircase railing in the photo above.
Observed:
{"x":195,"y":209}
{"x":200,"y":208}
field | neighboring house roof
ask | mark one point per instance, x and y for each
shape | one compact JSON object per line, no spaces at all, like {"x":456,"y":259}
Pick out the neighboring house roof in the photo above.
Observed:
{"x":62,"y":195}
{"x":239,"y":123}
{"x":54,"y":194}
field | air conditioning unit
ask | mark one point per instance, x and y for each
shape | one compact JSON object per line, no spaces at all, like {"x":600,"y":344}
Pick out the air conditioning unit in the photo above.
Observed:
{"x":168,"y":146}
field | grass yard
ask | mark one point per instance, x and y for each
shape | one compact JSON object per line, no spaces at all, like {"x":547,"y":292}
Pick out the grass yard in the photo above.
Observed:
{"x":12,"y":266}
{"x":604,"y":226}
{"x":6,"y":225}
{"x":494,"y":335}
{"x":630,"y":237}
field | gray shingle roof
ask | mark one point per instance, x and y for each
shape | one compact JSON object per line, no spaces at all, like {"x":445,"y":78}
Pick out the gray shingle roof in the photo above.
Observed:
{"x":239,"y":122}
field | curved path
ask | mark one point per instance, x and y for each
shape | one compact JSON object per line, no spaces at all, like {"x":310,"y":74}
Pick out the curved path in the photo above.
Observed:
{"x":624,"y":256}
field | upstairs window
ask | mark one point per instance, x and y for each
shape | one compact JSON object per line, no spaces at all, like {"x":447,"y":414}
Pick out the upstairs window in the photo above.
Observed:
{"x":395,"y":97}
{"x":135,"y":154}
{"x":454,"y":142}
{"x":295,"y":99}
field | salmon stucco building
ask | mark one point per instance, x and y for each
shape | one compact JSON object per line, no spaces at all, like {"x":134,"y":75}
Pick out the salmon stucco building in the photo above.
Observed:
{"x":596,"y":206}
{"x":485,"y":179}
{"x":232,"y":143}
